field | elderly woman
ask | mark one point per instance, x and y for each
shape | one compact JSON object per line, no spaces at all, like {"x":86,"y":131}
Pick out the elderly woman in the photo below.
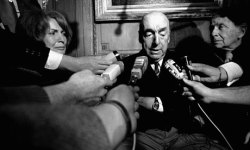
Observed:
{"x":229,"y":51}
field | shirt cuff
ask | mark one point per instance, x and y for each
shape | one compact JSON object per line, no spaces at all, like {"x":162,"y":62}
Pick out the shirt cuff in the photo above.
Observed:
{"x":54,"y":60}
{"x":234,"y":72}
{"x":160,"y":104}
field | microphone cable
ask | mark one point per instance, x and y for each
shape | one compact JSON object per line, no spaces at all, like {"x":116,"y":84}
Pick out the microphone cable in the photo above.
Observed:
{"x":188,"y":62}
{"x":134,"y":141}
{"x":216,"y":127}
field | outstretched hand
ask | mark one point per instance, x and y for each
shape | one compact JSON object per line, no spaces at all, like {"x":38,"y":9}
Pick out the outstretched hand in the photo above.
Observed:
{"x":196,"y":91}
{"x":96,"y":64}
{"x":204,"y":73}
{"x":83,"y":86}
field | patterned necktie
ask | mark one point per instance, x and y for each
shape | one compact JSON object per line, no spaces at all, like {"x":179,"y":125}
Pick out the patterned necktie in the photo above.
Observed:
{"x":157,"y":68}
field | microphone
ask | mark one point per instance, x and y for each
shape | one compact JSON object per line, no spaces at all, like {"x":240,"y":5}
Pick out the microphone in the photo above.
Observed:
{"x":187,"y":62}
{"x":182,"y":71}
{"x":113,"y":56}
{"x":174,"y":69}
{"x":140,"y":66}
{"x":113,"y":71}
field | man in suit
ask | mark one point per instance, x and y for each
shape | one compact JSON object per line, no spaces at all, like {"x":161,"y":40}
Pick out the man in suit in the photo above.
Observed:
{"x":165,"y":116}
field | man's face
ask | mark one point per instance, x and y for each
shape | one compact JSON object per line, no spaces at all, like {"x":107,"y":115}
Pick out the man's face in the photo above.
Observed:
{"x":225,"y":34}
{"x":156,"y":35}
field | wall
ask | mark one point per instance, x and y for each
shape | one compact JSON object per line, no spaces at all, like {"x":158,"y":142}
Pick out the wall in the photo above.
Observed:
{"x":97,"y":38}
{"x":80,"y":15}
{"x":124,"y":37}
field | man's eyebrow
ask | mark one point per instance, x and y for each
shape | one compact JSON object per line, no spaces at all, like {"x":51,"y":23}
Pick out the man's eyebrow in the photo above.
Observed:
{"x":148,"y":30}
{"x":53,"y":29}
{"x":163,"y":29}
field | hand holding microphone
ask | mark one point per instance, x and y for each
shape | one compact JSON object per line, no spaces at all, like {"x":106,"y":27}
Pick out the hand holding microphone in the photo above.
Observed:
{"x":113,"y":71}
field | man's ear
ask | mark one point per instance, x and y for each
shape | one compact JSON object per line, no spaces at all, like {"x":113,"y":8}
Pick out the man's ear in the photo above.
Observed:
{"x":243,"y":29}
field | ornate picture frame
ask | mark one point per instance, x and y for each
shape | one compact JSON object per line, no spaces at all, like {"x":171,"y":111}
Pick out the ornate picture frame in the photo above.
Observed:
{"x":116,"y":10}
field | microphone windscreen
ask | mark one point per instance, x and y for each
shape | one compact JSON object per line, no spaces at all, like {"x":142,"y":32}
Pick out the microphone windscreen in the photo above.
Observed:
{"x":140,"y":66}
{"x":113,"y":71}
{"x":174,"y":69}
{"x":113,"y":56}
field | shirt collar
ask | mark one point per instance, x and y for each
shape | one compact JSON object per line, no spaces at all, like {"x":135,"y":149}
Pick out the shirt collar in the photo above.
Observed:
{"x":160,"y":63}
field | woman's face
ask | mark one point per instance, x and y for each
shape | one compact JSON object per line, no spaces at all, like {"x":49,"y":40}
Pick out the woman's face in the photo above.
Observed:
{"x":55,"y":38}
{"x":225,"y":34}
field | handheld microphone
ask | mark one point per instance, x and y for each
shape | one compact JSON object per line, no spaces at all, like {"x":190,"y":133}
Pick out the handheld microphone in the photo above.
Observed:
{"x":179,"y":72}
{"x":140,"y":66}
{"x":113,"y":71}
{"x":186,"y":63}
{"x":174,"y":69}
{"x":113,"y":56}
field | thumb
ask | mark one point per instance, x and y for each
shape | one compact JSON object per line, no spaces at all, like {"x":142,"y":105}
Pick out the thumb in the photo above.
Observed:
{"x":187,"y":82}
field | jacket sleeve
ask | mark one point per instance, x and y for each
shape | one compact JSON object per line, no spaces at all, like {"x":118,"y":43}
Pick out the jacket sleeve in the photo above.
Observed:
{"x":15,"y":54}
{"x":23,"y":94}
{"x":53,"y":127}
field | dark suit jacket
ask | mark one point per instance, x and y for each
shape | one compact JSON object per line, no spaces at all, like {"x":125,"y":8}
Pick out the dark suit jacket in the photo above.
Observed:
{"x":18,"y":55}
{"x":25,"y":5}
{"x":176,"y":109}
{"x":25,"y":65}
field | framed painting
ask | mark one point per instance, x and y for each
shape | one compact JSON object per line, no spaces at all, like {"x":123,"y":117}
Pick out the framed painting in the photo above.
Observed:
{"x":115,"y":10}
